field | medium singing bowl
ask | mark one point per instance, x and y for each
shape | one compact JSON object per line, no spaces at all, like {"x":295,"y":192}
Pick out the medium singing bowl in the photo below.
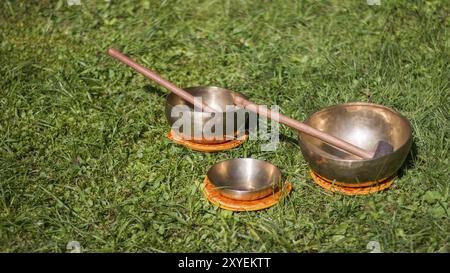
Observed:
{"x":245,"y":178}
{"x":199,"y":126}
{"x":362,"y":124}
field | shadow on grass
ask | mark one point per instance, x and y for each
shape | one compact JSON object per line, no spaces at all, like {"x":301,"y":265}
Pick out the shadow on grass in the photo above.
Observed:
{"x":155,"y":90}
{"x":288,"y":139}
{"x":410,"y":161}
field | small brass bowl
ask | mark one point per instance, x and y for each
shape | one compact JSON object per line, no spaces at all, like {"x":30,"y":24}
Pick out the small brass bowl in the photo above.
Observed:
{"x":362,"y":124}
{"x":245,"y":178}
{"x":217,"y":98}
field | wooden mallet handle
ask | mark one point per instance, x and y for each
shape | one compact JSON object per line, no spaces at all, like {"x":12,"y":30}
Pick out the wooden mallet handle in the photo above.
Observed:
{"x":261,"y":110}
{"x":158,"y":79}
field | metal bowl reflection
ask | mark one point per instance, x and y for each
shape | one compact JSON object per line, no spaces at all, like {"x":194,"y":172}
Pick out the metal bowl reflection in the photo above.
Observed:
{"x":245,"y":178}
{"x":362,"y":124}
{"x":197,"y":125}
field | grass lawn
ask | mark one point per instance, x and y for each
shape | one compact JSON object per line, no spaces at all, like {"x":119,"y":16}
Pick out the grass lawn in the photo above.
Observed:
{"x":83,"y":148}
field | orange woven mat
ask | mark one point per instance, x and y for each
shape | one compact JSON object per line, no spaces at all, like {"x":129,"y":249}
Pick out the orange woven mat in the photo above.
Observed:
{"x":353,"y":189}
{"x":214,"y":196}
{"x":209,"y":148}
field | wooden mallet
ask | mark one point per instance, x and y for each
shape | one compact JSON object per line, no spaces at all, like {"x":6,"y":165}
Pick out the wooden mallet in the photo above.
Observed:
{"x":382,"y":148}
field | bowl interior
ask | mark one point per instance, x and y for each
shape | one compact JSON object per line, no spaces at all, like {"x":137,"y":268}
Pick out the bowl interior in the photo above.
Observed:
{"x":360,"y":124}
{"x":244,"y":174}
{"x":215,"y":97}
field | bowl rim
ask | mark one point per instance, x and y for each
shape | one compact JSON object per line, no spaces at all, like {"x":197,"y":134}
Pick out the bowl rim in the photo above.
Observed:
{"x":236,"y":109}
{"x":259,"y":189}
{"x":407,"y":141}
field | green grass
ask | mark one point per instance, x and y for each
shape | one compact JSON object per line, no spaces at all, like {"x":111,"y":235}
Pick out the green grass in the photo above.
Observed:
{"x":83,"y":151}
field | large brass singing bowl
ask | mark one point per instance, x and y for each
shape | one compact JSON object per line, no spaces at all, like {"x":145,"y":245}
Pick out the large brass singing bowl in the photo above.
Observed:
{"x":215,"y":97}
{"x":362,"y":124}
{"x":245,"y":178}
